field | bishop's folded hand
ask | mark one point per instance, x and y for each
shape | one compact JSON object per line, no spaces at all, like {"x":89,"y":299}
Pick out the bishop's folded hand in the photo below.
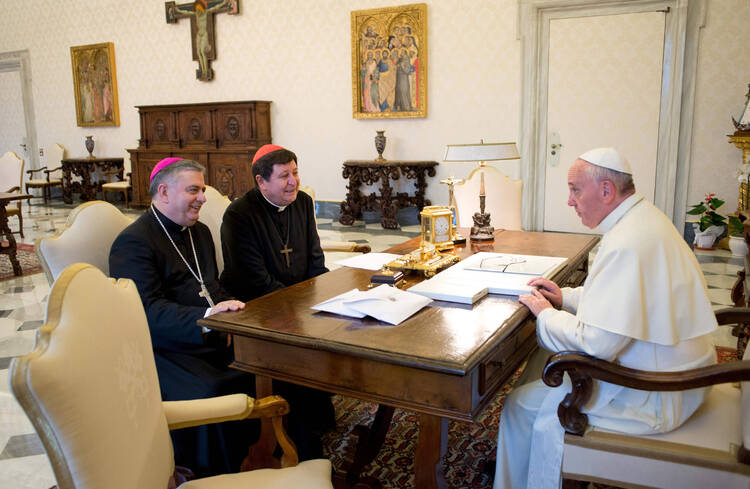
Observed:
{"x":230,"y":305}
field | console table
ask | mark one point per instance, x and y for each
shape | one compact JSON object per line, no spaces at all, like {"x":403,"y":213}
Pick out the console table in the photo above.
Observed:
{"x":84,"y":167}
{"x":367,"y":172}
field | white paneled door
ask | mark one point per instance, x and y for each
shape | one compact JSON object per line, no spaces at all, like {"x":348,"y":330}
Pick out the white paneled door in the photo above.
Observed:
{"x":12,"y":118}
{"x":604,"y":89}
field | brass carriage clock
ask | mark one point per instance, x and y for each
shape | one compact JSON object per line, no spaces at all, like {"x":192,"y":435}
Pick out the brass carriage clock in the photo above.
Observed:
{"x":433,"y":253}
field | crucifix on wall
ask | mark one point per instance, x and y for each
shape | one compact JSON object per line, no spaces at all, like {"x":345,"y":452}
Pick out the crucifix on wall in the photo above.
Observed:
{"x":201,"y":15}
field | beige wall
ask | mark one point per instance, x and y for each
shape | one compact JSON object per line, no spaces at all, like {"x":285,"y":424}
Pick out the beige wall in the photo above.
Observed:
{"x":721,"y":85}
{"x":296,"y":53}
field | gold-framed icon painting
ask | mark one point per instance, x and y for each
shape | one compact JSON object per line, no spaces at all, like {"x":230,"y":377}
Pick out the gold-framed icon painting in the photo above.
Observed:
{"x":95,"y":84}
{"x":389,"y":62}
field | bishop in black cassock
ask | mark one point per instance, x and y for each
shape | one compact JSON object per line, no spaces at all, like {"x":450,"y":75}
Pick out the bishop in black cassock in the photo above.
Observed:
{"x":190,"y":363}
{"x":270,"y":241}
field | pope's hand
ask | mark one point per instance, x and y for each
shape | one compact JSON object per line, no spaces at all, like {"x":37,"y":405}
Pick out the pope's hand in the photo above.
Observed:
{"x":548,"y":289}
{"x":231,"y":305}
{"x":535,"y":301}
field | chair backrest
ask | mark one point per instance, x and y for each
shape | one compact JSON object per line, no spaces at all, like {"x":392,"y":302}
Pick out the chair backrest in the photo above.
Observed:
{"x":212,"y":213}
{"x":11,"y":171}
{"x":311,"y":192}
{"x":502,"y":198}
{"x":53,"y":155}
{"x":87,"y":237}
{"x":90,"y":386}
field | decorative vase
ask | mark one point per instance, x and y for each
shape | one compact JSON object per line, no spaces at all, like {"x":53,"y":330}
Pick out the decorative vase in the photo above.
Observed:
{"x":380,"y":145}
{"x":89,"y":146}
{"x":737,"y":245}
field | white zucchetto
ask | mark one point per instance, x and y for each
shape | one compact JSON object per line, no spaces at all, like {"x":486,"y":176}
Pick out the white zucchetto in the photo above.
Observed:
{"x":607,"y":158}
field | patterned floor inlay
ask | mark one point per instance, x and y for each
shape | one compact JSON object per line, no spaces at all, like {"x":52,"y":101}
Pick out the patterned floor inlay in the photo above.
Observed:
{"x":22,"y":446}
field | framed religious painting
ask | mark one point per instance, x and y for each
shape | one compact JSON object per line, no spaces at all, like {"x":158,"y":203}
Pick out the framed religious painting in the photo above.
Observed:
{"x":95,"y":84}
{"x":389,"y":62}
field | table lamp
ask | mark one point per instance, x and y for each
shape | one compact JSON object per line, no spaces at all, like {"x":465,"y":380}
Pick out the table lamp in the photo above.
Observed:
{"x":482,"y":230}
{"x":451,"y":181}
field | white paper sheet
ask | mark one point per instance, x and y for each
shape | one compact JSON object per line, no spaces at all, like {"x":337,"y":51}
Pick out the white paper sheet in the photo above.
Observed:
{"x":384,"y":303}
{"x":368,"y":261}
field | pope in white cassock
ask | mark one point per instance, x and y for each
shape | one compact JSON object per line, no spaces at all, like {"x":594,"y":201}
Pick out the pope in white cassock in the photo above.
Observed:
{"x":643,"y":305}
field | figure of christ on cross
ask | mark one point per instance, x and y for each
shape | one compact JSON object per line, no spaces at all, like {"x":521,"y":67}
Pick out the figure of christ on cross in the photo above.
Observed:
{"x":201,"y":14}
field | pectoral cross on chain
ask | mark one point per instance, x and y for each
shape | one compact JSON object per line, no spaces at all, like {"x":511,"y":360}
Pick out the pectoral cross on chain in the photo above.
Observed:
{"x":285,"y":251}
{"x":204,"y":293}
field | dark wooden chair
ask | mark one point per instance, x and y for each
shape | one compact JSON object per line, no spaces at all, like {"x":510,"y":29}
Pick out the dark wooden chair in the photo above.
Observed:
{"x":709,"y":450}
{"x":52,"y":177}
{"x":11,"y":171}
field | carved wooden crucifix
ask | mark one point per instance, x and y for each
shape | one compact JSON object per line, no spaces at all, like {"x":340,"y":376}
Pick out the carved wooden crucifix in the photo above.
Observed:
{"x":201,"y":15}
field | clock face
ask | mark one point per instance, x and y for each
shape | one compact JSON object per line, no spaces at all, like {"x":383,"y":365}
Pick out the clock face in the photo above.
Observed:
{"x":442,"y":226}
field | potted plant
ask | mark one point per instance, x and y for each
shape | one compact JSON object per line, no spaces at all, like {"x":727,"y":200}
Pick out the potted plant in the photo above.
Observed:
{"x":710,"y":225}
{"x":736,"y":231}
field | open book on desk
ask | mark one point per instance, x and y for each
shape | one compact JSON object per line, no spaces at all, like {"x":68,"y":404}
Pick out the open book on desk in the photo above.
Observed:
{"x":466,"y":282}
{"x":385,"y":303}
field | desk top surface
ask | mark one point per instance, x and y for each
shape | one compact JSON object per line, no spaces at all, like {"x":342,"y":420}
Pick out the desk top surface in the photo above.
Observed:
{"x":95,"y":159}
{"x":375,"y":163}
{"x":443,"y":336}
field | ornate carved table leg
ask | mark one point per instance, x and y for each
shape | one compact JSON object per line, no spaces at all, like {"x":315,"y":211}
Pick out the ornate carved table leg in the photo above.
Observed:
{"x":67,"y":182}
{"x":11,"y":249}
{"x":350,"y":207}
{"x":88,"y":187}
{"x":389,"y":209}
{"x":421,"y":186}
{"x":431,"y":446}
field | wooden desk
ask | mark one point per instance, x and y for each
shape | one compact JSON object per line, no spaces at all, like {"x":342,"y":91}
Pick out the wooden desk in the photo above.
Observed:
{"x":445,"y":362}
{"x":368,"y":172}
{"x":84,"y":167}
{"x":10,"y":250}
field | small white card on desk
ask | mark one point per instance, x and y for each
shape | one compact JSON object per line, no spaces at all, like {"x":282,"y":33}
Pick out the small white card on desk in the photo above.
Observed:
{"x":368,"y":261}
{"x":384,"y":303}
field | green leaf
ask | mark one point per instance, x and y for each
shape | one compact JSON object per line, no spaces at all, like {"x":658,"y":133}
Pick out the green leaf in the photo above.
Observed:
{"x":716,"y":203}
{"x":735,"y":226}
{"x":697,"y":209}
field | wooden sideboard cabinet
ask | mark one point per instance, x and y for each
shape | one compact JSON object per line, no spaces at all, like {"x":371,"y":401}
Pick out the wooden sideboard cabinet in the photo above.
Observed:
{"x":222,"y":136}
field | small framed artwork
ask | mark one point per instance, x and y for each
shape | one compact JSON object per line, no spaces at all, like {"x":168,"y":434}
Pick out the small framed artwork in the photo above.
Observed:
{"x":389,"y":62}
{"x":95,"y":84}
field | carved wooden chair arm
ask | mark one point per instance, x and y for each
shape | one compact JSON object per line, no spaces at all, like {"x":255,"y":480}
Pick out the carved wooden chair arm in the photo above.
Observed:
{"x":740,"y":317}
{"x":52,"y":170}
{"x":31,"y":172}
{"x":14,"y":189}
{"x":184,"y":414}
{"x":583,"y":368}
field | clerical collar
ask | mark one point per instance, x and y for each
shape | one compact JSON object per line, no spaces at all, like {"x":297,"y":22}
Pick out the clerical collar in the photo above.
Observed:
{"x":279,"y":208}
{"x":618,"y":213}
{"x":168,"y":223}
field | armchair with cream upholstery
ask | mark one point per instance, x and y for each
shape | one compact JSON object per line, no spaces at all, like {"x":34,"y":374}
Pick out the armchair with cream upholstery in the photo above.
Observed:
{"x":11,"y":181}
{"x":502,"y":201}
{"x":709,"y":450}
{"x":53,"y":154}
{"x":91,"y":391}
{"x":332,"y":245}
{"x":87,"y":237}
{"x":212,"y":214}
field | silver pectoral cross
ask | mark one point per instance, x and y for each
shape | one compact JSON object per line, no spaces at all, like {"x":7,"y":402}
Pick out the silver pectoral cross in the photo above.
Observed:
{"x":204,"y":293}
{"x":285,"y":251}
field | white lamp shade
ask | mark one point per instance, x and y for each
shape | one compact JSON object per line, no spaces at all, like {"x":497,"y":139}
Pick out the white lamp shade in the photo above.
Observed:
{"x":481,"y":152}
